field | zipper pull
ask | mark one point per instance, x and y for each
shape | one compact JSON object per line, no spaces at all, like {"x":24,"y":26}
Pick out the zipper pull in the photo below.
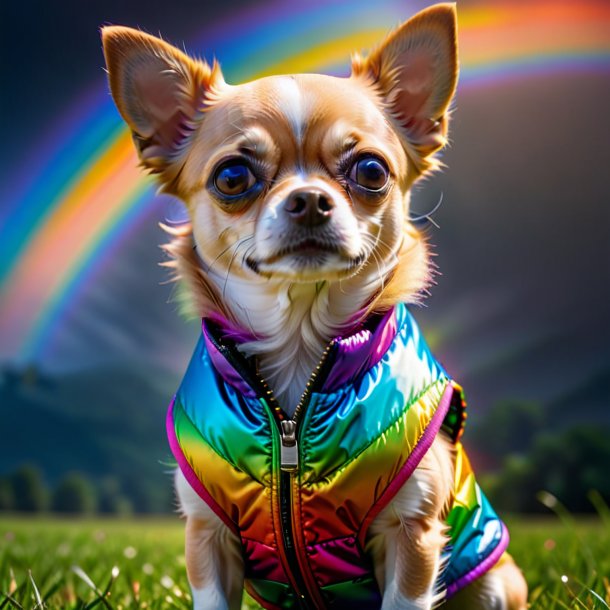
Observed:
{"x":289,"y":457}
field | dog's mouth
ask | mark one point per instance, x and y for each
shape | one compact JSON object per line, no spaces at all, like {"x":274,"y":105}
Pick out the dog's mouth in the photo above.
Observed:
{"x":310,"y":253}
{"x":310,"y":247}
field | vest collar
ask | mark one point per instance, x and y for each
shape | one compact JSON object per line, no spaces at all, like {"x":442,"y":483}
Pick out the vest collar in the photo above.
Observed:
{"x":352,"y":354}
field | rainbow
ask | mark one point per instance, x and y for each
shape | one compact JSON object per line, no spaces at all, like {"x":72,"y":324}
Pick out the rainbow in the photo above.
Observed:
{"x":74,"y":202}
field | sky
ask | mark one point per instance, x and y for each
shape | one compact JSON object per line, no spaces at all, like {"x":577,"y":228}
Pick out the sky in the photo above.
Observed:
{"x":521,"y":305}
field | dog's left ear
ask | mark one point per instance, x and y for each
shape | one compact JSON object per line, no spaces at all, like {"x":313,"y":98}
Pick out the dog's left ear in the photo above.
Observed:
{"x":415,"y":70}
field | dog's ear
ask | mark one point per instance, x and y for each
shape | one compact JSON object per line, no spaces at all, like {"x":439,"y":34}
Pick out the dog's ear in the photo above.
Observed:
{"x":415,"y":71}
{"x":160,"y":92}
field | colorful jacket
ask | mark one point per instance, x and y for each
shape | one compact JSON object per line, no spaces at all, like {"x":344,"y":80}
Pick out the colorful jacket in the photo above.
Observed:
{"x":301,"y":493}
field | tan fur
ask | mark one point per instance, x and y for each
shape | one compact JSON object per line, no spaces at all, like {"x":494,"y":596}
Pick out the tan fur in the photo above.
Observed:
{"x":513,"y":583}
{"x":199,"y":298}
{"x":197,"y":560}
{"x":505,"y":577}
{"x":212,"y":558}
{"x":419,"y":543}
{"x":246,"y":259}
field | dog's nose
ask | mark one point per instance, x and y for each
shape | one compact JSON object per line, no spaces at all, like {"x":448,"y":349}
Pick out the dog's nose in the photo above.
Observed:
{"x":309,"y":206}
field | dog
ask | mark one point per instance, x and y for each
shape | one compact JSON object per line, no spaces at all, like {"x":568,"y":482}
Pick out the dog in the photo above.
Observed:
{"x":318,"y":440}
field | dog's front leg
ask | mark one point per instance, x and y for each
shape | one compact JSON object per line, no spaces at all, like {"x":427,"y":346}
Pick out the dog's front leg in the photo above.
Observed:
{"x":213,"y":554}
{"x":416,"y":556}
{"x":204,"y":564}
{"x":414,"y":532}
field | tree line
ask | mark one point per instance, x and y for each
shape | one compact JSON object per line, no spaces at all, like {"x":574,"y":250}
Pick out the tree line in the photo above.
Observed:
{"x":25,"y":490}
{"x":526,"y":450}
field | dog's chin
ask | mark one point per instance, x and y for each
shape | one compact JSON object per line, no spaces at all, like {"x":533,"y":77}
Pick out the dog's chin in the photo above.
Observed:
{"x":308,"y":266}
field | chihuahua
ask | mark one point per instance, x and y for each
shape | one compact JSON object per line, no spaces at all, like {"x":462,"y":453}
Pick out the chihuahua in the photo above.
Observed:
{"x":316,"y":436}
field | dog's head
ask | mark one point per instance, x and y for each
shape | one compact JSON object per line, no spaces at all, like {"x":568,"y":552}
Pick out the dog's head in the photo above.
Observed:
{"x":302,"y":177}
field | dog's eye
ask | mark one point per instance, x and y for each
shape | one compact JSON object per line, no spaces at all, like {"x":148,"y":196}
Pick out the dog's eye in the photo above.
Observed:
{"x":233,"y":178}
{"x":370,"y":173}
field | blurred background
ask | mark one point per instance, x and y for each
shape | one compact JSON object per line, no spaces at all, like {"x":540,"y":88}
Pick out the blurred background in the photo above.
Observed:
{"x":91,"y":343}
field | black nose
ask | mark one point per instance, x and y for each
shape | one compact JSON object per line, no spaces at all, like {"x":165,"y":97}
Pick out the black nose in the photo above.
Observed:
{"x":308,"y":206}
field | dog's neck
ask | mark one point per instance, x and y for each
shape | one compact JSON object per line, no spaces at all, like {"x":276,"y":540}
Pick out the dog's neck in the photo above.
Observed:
{"x":293,"y":323}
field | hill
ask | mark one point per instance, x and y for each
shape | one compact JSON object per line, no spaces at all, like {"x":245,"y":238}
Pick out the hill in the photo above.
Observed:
{"x":101,"y":422}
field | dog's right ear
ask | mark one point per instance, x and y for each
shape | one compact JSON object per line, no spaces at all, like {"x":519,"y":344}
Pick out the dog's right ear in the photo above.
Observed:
{"x":160,"y":92}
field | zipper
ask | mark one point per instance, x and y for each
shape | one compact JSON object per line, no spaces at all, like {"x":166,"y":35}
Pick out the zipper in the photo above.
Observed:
{"x":289,"y":464}
{"x":295,"y":573}
{"x":289,"y":455}
{"x":288,"y":428}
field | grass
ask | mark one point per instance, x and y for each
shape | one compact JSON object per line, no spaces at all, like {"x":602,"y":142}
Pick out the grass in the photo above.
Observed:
{"x":78,"y":564}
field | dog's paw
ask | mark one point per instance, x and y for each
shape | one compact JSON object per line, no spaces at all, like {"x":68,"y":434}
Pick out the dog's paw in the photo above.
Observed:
{"x":393,"y":599}
{"x":209,"y":598}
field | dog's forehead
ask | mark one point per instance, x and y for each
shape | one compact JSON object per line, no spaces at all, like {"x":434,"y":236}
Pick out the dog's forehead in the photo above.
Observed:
{"x":304,"y":101}
{"x":304,"y":109}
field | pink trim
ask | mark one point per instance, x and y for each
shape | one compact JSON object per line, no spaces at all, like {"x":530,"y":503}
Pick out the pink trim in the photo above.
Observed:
{"x":412,"y":461}
{"x":189,"y":473}
{"x":485,"y":565}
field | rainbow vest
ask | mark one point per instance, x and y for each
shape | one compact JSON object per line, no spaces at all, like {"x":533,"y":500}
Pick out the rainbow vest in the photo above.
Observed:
{"x":301,"y":493}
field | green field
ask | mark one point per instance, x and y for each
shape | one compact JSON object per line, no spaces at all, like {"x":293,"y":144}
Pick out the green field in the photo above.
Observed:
{"x":76,"y":563}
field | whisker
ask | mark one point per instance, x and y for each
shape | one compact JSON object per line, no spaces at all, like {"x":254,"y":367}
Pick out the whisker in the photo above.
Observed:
{"x":428,"y":215}
{"x":221,"y":254}
{"x":246,"y":311}
{"x":240,"y":243}
{"x":209,"y":267}
{"x":379,"y":273}
{"x":247,"y":253}
{"x":373,"y":240}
